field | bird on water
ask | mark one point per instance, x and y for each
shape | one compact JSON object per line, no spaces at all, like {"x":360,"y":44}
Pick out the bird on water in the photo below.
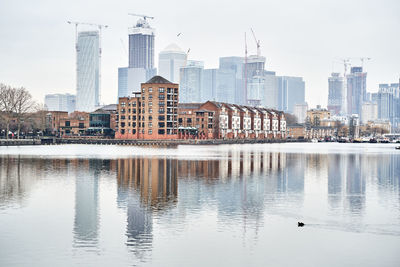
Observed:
{"x":300,"y":224}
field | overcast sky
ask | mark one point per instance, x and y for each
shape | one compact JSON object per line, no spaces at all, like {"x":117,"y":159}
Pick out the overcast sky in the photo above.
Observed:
{"x":298,"y":38}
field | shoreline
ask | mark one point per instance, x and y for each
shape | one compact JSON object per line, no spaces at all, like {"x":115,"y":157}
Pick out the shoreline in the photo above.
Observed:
{"x":135,"y":142}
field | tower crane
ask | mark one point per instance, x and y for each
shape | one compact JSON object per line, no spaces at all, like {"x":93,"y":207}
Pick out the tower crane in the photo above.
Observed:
{"x":145,"y":17}
{"x":257,"y":42}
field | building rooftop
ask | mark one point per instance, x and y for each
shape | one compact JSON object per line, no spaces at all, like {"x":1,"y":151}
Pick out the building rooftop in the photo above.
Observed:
{"x":158,"y":79}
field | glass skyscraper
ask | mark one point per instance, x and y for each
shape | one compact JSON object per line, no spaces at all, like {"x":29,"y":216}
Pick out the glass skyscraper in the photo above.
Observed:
{"x":88,"y":71}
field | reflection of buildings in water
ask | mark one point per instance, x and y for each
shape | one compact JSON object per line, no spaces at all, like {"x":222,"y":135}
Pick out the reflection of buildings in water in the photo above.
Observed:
{"x":18,"y":175}
{"x":145,"y":185}
{"x":86,"y":222}
{"x":290,"y":177}
{"x":355,"y":183}
{"x":336,"y":171}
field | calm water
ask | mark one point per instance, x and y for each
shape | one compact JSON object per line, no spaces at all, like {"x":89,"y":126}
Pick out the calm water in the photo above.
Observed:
{"x":200,"y":205}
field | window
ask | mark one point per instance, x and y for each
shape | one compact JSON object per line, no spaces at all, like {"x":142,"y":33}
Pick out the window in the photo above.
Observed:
{"x":161,"y":131}
{"x":161,"y":96}
{"x":161,"y":110}
{"x":161,"y":124}
{"x":133,"y":124}
{"x":150,"y":104}
{"x":161,"y":89}
{"x":67,"y":123}
{"x":81,"y":125}
{"x":150,"y":118}
{"x":143,"y":90}
{"x":122,"y":124}
{"x":134,"y":131}
{"x":150,"y":124}
{"x":180,"y":120}
{"x":150,"y":89}
{"x":143,"y":104}
{"x":134,"y":104}
{"x":150,"y":131}
{"x":161,"y":118}
{"x":189,"y":120}
{"x":134,"y":111}
{"x":133,"y":118}
{"x":122,"y":131}
{"x":161,"y":103}
{"x":150,"y":96}
{"x":150,"y":110}
{"x":123,"y":104}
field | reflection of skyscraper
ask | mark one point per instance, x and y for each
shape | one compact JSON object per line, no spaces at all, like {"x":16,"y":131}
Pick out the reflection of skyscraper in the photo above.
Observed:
{"x":355,"y":184}
{"x":86,"y":222}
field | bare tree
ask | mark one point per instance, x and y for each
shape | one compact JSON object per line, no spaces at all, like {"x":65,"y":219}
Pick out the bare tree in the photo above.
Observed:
{"x":24,"y":104}
{"x":7,"y":105}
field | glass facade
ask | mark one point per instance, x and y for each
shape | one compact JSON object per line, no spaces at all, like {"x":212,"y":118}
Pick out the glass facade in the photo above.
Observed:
{"x":88,"y":71}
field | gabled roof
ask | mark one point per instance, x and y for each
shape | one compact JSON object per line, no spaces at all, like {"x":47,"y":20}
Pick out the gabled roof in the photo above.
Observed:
{"x":158,"y":79}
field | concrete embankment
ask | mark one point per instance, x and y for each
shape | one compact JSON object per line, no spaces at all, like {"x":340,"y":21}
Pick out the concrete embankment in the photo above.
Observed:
{"x":135,"y":142}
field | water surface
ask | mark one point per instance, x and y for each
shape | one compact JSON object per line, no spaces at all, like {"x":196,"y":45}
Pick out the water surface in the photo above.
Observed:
{"x":200,"y":205}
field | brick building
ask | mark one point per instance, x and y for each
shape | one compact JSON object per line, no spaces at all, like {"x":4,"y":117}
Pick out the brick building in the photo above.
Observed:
{"x":150,"y":114}
{"x":154,"y":113}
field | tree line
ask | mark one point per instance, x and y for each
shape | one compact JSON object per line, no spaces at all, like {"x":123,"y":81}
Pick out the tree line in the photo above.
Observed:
{"x":19,"y":111}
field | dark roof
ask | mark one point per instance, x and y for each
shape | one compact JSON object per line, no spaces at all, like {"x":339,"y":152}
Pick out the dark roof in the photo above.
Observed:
{"x":189,"y":105}
{"x":158,"y":79}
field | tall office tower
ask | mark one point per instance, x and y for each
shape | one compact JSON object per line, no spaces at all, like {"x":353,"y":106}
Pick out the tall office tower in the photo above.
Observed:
{"x":141,"y":59}
{"x":335,"y":97}
{"x":235,"y":64}
{"x":300,"y":111}
{"x":388,"y":100}
{"x":291,"y":91}
{"x":191,"y":82}
{"x":209,"y":85}
{"x":88,"y":71}
{"x":141,"y":45}
{"x":226,"y":84}
{"x":170,"y":61}
{"x":369,"y":112}
{"x":129,"y":80}
{"x":60,"y":102}
{"x":356,"y":90}
{"x":270,"y":97}
{"x":255,"y":66}
{"x":255,"y":90}
{"x":123,"y":82}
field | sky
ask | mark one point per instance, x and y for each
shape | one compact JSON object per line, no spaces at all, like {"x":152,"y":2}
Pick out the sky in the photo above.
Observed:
{"x":304,"y":38}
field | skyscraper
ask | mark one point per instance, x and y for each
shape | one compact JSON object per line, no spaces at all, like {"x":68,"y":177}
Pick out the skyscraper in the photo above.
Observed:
{"x":141,"y":59}
{"x":335,"y":97}
{"x":170,"y":60}
{"x":191,"y":82}
{"x":235,"y":64}
{"x":141,"y":45}
{"x":88,"y":71}
{"x":60,"y":102}
{"x":209,"y":85}
{"x":291,"y":91}
{"x":356,"y":90}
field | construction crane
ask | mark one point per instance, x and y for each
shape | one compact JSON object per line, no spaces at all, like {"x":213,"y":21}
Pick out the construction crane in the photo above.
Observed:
{"x":100,"y":27}
{"x":145,"y":17}
{"x":257,"y":43}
